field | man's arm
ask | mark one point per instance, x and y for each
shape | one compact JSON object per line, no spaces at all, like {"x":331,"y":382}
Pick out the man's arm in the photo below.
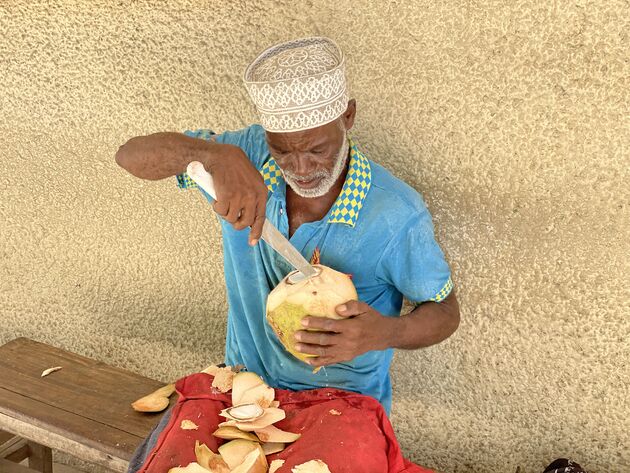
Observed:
{"x":241,"y":190}
{"x":364,"y":329}
{"x":426,"y":325}
{"x":163,"y":155}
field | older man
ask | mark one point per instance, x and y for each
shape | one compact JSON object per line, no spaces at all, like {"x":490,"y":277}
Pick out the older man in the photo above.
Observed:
{"x":303,"y":172}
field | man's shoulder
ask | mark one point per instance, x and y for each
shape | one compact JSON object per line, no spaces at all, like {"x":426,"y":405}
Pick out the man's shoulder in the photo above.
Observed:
{"x":389,"y":192}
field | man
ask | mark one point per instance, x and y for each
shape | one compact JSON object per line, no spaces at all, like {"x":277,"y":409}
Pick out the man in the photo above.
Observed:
{"x":302,"y":171}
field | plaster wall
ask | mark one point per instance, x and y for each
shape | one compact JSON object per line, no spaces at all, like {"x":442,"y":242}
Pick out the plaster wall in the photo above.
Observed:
{"x":511,"y":117}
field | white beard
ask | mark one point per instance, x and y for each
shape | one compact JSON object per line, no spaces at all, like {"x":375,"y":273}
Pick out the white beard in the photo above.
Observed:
{"x":328,"y":178}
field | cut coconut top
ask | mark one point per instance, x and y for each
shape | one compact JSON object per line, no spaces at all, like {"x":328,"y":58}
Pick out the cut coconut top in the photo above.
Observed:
{"x":297,"y":276}
{"x":244,"y":412}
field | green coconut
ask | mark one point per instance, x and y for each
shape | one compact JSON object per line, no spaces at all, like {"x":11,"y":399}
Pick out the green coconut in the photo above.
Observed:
{"x":296,"y":297}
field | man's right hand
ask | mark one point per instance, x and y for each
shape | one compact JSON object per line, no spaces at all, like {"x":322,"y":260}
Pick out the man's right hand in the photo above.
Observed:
{"x":241,"y":190}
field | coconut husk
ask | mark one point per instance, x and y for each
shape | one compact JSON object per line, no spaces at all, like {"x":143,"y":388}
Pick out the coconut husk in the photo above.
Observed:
{"x":156,"y":401}
{"x":235,"y":451}
{"x":272,"y":447}
{"x":313,"y":466}
{"x":262,"y":395}
{"x":191,"y":468}
{"x":252,"y":463}
{"x":242,"y":382}
{"x":188,"y":425}
{"x":232,"y":433}
{"x":210,"y":460}
{"x":275,"y":465}
{"x":274,"y":434}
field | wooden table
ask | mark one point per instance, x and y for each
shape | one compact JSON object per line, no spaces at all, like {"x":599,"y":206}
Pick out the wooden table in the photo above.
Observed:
{"x":83,"y":409}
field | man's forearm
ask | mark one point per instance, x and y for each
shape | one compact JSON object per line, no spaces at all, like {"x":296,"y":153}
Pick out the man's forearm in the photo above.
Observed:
{"x":426,"y":325}
{"x":162,"y":155}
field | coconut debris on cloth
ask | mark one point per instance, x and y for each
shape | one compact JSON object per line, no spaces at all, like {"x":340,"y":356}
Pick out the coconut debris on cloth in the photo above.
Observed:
{"x":300,"y":436}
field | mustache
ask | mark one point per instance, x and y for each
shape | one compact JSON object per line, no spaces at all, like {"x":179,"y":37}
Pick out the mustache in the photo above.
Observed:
{"x":310,"y":177}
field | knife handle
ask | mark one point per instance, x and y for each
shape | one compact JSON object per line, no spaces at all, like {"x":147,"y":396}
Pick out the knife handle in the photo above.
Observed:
{"x":202,"y":178}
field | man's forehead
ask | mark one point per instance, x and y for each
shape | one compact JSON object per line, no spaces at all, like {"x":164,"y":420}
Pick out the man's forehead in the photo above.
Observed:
{"x":321,"y":135}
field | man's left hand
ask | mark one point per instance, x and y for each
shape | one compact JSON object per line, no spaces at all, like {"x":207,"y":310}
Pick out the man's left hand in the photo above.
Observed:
{"x":361,"y":329}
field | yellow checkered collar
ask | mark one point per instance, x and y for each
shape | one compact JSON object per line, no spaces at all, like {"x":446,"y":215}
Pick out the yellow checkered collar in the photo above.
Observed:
{"x":350,"y":201}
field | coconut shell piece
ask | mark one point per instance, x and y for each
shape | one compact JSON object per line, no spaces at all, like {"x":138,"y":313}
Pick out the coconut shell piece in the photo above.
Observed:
{"x":231,"y":433}
{"x":235,"y":451}
{"x":223,"y":380}
{"x":262,"y":395}
{"x":209,"y":460}
{"x":188,"y":425}
{"x":313,"y":466}
{"x":252,"y":463}
{"x":272,"y":447}
{"x":274,"y":434}
{"x":275,"y":465}
{"x":243,"y":412}
{"x":271,"y":416}
{"x":50,"y":370}
{"x":242,"y":382}
{"x":191,"y":468}
{"x":222,"y":377}
{"x":156,"y":401}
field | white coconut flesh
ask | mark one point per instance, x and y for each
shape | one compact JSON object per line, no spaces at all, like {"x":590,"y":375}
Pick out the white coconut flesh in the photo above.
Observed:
{"x":245,"y":412}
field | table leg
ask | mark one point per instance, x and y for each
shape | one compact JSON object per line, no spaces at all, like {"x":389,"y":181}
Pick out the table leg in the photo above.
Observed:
{"x":40,"y":458}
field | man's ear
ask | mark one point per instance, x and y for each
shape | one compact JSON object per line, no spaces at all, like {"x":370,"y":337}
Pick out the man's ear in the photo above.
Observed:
{"x":349,"y":114}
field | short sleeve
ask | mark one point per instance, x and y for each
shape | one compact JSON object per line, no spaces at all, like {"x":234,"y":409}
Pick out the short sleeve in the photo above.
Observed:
{"x":414,"y":263}
{"x":251,"y":140}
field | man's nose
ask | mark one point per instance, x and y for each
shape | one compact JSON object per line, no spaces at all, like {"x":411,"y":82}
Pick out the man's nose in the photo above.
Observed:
{"x":303,"y":166}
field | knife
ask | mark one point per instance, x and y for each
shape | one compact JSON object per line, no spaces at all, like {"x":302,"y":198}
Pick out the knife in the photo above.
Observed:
{"x":270,"y":234}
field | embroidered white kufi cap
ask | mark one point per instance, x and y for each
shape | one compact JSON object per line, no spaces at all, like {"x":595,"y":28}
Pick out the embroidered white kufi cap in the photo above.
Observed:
{"x":298,"y":85}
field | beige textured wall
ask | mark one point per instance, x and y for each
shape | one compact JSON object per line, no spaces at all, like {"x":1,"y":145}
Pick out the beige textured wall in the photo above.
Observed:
{"x":512,"y":118}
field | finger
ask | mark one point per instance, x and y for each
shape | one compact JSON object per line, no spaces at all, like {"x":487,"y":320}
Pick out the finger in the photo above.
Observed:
{"x":322,"y":361}
{"x":309,"y":349}
{"x":315,"y":338}
{"x":221,"y":207}
{"x":259,"y":220}
{"x":234,"y":212}
{"x":246,"y":218}
{"x":351,"y":308}
{"x":322,"y":323}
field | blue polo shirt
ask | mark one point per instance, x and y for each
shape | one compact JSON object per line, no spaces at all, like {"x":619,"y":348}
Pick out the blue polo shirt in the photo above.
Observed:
{"x":379,"y":231}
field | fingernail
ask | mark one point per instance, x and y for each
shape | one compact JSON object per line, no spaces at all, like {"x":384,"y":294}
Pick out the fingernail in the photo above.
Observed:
{"x":342,"y":308}
{"x":253,"y":242}
{"x":298,"y":337}
{"x":304,"y":322}
{"x":298,"y":347}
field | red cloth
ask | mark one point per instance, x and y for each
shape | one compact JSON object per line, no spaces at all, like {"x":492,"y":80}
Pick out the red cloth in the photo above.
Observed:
{"x":361,"y":439}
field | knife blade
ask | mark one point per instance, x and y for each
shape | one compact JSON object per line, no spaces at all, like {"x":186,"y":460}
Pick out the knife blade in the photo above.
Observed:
{"x":270,"y":234}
